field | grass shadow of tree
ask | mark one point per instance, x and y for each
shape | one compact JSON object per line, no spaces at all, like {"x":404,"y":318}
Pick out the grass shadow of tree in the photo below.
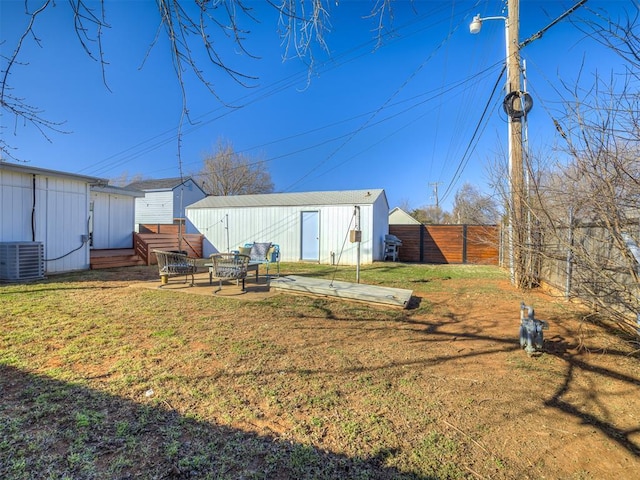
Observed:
{"x":66,"y":430}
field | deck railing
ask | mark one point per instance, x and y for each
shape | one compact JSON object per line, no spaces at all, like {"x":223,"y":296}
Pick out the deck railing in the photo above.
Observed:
{"x":145,"y":243}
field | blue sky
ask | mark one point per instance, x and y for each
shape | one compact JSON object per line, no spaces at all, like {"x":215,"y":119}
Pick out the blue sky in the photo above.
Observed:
{"x":400,"y":117}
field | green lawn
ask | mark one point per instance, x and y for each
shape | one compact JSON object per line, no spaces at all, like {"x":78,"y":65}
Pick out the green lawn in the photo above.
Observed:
{"x":101,"y":379}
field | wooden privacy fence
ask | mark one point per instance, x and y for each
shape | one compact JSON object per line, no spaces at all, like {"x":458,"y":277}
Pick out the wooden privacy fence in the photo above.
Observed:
{"x":475,"y":244}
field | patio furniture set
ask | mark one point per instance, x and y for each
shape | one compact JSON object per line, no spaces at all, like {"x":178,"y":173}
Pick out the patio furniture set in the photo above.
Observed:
{"x":223,"y":266}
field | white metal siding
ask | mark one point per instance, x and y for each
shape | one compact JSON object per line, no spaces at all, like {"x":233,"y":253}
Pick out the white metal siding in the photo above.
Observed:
{"x":16,"y":200}
{"x":281,"y":225}
{"x":113,"y":220}
{"x":380,"y":212}
{"x":62,"y":219}
{"x":60,"y":216}
{"x":155,"y":207}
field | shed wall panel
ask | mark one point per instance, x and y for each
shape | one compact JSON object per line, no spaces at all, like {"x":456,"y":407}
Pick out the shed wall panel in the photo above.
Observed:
{"x":16,"y":195}
{"x":58,"y":217}
{"x":229,"y":228}
{"x":113,"y":220}
{"x":62,"y":222}
{"x":380,"y":226}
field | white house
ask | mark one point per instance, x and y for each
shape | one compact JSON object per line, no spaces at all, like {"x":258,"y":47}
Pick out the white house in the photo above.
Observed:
{"x":308,"y":226}
{"x":50,"y":208}
{"x":112,"y":217}
{"x":164,"y":200}
{"x":398,"y":216}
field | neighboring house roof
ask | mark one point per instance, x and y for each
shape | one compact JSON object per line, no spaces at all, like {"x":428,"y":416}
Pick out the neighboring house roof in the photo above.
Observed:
{"x":117,"y":190}
{"x":343,"y":197}
{"x":158,"y":184}
{"x":43,"y":171}
{"x":398,"y":216}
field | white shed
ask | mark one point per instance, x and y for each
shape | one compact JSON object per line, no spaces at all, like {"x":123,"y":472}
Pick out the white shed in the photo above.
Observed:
{"x":165,"y":199}
{"x":112,"y":217}
{"x":48,"y":207}
{"x":308,"y":226}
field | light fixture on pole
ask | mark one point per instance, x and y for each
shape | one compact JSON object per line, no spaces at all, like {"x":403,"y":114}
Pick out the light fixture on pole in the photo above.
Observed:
{"x":476,"y":24}
{"x":516,"y":171}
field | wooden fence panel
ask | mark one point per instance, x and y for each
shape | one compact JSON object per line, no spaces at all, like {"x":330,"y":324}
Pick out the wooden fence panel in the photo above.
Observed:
{"x":483,"y":243}
{"x":159,"y":228}
{"x":411,"y":236}
{"x":448,"y":243}
{"x":444,"y":244}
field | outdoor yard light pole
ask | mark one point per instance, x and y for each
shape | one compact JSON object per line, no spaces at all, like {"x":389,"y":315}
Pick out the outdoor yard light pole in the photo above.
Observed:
{"x":516,"y":172}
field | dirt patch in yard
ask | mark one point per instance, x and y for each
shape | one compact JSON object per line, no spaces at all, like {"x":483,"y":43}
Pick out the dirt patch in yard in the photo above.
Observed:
{"x":287,"y":386}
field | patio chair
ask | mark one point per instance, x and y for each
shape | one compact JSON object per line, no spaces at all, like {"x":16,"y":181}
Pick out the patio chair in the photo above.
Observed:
{"x":263,"y":254}
{"x":230,"y":266}
{"x":172,"y":264}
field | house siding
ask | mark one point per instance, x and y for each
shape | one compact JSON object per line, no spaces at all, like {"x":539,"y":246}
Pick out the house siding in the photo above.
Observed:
{"x":155,"y":207}
{"x":58,"y":218}
{"x":184,"y":195}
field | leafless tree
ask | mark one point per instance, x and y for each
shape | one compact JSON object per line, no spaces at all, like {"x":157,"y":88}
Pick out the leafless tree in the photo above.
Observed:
{"x":125,"y":179}
{"x":588,"y":209}
{"x":429,"y":214}
{"x":193,"y":28}
{"x":472,"y":207}
{"x":226,"y":172}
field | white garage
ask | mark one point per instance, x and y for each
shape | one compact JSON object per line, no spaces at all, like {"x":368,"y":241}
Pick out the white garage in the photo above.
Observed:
{"x":308,"y":226}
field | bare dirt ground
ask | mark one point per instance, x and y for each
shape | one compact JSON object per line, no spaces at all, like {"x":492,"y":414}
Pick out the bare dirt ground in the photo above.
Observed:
{"x":572,"y":411}
{"x":444,"y":383}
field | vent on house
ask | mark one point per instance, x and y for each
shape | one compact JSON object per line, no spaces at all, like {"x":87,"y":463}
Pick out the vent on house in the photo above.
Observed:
{"x":21,"y":261}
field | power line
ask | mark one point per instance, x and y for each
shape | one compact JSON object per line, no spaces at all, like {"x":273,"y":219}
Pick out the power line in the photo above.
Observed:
{"x":335,"y":61}
{"x":465,"y":157}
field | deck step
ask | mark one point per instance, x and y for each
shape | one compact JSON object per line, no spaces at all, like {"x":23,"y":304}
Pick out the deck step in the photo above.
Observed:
{"x":112,"y":261}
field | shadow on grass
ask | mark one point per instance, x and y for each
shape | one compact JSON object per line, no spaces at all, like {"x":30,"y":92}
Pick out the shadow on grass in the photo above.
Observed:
{"x":575,"y":364}
{"x":54,"y":429}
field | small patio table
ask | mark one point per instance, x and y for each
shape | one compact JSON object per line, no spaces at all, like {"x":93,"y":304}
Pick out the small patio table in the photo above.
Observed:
{"x":250,"y":267}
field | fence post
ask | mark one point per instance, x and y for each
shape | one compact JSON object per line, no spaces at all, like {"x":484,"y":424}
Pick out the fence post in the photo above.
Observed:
{"x":569,"y":268}
{"x":635,"y":251}
{"x":464,"y":243}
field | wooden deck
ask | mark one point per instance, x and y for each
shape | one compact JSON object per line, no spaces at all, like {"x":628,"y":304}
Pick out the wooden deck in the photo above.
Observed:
{"x":142,"y":251}
{"x":120,"y":257}
{"x":353,"y":291}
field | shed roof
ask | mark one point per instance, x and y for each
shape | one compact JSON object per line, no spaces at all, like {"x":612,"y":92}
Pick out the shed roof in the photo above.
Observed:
{"x":117,"y":190}
{"x":29,"y":170}
{"x":342,"y":197}
{"x":157,"y":184}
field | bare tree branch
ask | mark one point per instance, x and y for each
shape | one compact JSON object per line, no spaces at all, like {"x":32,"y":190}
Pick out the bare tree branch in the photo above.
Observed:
{"x":193,"y":28}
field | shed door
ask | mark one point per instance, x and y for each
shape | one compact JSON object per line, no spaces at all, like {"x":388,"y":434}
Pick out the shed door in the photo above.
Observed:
{"x":310,"y":247}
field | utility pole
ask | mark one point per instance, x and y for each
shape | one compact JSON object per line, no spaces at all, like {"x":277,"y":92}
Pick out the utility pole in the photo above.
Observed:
{"x":517,"y":105}
{"x":435,"y":192}
{"x":516,"y":170}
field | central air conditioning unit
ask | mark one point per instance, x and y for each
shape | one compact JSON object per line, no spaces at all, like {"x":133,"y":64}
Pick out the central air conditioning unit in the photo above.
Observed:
{"x":21,"y":261}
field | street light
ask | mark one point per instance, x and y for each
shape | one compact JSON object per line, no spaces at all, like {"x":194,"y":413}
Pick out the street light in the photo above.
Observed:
{"x":516,"y":171}
{"x":476,"y":23}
